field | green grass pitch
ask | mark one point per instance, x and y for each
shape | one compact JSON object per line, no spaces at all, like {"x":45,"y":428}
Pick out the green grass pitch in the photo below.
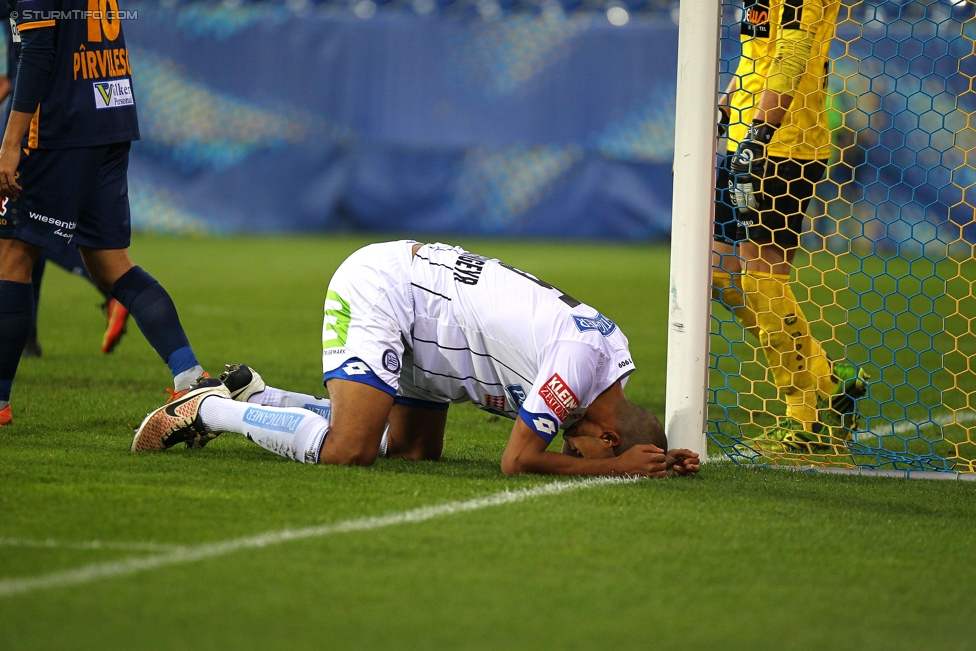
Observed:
{"x":736,"y":558}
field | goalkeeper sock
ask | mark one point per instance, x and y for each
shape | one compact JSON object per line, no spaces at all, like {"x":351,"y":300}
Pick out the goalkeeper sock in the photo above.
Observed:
{"x":801,"y":369}
{"x":296,"y":434}
{"x":729,"y":294}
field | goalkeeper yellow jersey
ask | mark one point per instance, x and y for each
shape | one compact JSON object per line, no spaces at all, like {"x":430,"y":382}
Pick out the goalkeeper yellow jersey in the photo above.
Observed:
{"x":804,"y":133}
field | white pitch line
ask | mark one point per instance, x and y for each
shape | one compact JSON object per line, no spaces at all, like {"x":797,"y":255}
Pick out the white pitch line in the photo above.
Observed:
{"x":89,"y":545}
{"x":190,"y":554}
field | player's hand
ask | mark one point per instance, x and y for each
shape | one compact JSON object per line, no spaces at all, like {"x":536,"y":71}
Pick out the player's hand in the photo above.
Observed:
{"x":723,"y":121}
{"x":682,"y":462}
{"x":9,"y":161}
{"x":642,"y":461}
{"x":747,"y":166}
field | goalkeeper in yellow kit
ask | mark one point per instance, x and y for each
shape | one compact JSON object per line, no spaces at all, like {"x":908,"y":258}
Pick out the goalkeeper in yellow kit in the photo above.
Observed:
{"x":778,"y":145}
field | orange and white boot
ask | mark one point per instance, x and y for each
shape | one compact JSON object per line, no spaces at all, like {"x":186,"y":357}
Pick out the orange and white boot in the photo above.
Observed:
{"x":118,"y":317}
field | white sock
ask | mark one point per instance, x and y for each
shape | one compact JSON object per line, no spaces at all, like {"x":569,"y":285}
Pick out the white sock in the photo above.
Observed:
{"x":272,"y":397}
{"x":187,"y":378}
{"x":385,"y":443}
{"x":289,"y":432}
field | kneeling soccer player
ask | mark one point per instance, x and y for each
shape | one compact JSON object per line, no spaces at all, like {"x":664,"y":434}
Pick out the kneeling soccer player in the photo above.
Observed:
{"x":410,"y":328}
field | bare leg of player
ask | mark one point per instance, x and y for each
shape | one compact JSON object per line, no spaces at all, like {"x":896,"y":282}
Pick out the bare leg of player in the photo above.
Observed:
{"x":359,"y":415}
{"x":416,"y":433}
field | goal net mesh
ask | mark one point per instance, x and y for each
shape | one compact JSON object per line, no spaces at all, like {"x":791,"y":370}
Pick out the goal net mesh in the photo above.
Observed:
{"x":885,"y":272}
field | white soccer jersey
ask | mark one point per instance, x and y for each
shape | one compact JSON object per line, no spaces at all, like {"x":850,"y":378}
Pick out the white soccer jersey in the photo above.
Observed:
{"x":470,"y":328}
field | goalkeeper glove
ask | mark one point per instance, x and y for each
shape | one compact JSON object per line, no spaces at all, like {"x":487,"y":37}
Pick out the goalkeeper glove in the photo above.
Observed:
{"x":747,"y":166}
{"x":723,"y":122}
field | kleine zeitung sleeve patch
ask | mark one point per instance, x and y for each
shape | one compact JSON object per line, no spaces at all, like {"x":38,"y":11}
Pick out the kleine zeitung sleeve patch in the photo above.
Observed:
{"x":558,"y":397}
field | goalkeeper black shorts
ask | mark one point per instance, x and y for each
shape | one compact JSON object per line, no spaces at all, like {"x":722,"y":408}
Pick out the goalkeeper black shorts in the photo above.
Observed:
{"x":787,"y":187}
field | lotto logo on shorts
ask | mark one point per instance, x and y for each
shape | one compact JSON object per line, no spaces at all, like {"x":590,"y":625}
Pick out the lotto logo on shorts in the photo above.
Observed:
{"x":558,"y":396}
{"x":355,"y":368}
{"x":113,"y":94}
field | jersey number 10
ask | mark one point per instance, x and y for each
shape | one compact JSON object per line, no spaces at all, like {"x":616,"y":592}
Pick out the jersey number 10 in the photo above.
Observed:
{"x":103,"y":18}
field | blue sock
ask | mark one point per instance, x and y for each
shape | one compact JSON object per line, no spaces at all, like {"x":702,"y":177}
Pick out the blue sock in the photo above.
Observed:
{"x":155,"y":314}
{"x":16,"y":321}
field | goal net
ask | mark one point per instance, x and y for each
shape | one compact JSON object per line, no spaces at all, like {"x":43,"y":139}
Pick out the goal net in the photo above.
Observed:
{"x":885,"y":271}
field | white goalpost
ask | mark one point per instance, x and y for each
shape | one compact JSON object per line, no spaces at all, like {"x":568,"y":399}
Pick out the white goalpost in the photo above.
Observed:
{"x":692,"y":214}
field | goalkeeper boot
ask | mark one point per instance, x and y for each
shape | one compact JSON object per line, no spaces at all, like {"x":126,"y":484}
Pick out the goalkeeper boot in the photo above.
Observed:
{"x":178,"y":421}
{"x":242,"y":381}
{"x":6,"y":416}
{"x":838,"y":412}
{"x":788,"y":436}
{"x":117,"y":319}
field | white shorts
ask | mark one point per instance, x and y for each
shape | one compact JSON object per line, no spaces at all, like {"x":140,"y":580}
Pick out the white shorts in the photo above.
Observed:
{"x":368,"y":308}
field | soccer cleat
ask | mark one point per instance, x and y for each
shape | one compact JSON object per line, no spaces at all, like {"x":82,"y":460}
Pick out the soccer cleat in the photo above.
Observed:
{"x":6,"y":416}
{"x":178,"y":421}
{"x":118,"y":317}
{"x":242,"y":381}
{"x":838,"y":412}
{"x":787,"y":435}
{"x":176,"y":395}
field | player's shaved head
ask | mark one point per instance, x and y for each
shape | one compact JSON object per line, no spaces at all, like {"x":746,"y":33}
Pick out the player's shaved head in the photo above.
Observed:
{"x":637,"y":426}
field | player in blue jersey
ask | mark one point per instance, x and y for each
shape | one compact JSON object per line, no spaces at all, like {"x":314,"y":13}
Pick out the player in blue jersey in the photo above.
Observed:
{"x":68,"y":259}
{"x":63,"y":166}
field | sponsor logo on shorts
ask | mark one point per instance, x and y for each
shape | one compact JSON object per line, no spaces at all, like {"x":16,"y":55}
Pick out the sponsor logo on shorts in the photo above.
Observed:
{"x":335,"y":327}
{"x":599,"y":323}
{"x":273,"y":420}
{"x":391,"y":361}
{"x":495,"y":402}
{"x":113,"y":94}
{"x":559,"y":397}
{"x":356,"y":368}
{"x":334,"y":351}
{"x":517,"y":393}
{"x":3,"y":206}
{"x":50,"y":220}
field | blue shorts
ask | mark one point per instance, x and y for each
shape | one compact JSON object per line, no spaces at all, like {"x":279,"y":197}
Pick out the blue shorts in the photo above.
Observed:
{"x":76,"y":196}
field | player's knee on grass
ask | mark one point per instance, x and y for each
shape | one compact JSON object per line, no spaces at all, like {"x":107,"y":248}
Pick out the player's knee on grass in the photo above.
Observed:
{"x":359,"y":416}
{"x":416,"y":433}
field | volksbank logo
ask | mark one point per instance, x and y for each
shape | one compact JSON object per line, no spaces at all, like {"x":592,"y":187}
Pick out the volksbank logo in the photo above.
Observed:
{"x":600,"y":323}
{"x":112,"y":94}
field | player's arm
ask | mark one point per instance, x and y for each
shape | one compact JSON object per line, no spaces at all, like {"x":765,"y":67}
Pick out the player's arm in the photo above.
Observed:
{"x":792,"y":51}
{"x":526,"y":453}
{"x":33,"y":72}
{"x":725,"y":105}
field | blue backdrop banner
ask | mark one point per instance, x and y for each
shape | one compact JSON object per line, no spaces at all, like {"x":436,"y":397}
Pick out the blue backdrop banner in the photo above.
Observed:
{"x":257,"y":118}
